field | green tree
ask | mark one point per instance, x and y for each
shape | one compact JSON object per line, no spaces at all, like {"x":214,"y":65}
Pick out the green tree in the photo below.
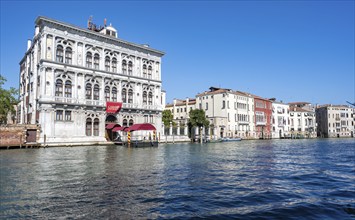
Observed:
{"x":197,"y":119}
{"x":7,"y":101}
{"x":167,"y":118}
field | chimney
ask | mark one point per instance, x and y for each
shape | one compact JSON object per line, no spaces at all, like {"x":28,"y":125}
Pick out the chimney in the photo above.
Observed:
{"x":29,"y":42}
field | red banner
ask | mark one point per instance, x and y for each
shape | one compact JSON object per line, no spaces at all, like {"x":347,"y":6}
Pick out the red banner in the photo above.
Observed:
{"x":113,"y":107}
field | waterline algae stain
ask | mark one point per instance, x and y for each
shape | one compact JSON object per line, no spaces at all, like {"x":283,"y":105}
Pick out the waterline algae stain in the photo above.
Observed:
{"x":282,"y":179}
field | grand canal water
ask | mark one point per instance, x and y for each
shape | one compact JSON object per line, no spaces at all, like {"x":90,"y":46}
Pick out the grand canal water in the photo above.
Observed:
{"x":279,"y":179}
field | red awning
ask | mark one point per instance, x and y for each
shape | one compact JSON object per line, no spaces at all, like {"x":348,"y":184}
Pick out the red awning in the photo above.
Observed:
{"x":119,"y":128}
{"x":138,"y":127}
{"x":112,"y":125}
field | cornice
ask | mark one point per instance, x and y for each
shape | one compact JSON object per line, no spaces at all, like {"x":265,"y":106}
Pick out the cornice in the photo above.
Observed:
{"x":41,"y":19}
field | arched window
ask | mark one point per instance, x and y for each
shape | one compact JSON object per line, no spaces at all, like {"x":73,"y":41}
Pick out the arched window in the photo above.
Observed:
{"x":114,"y":65}
{"x":149,"y":72}
{"x":89,"y":60}
{"x":124,"y":96}
{"x":59,"y":54}
{"x":124,"y":124}
{"x":107,"y":93}
{"x":88,"y":127}
{"x":68,"y":55}
{"x":130,"y":68}
{"x":114,"y":94}
{"x":144,"y":97}
{"x":96,"y":61}
{"x":130,"y":122}
{"x":59,"y":87}
{"x":130,"y":96}
{"x":107,"y":63}
{"x":145,"y":71}
{"x":68,"y":89}
{"x":88,"y":91}
{"x":96,"y":127}
{"x":150,"y":98}
{"x":124,"y":66}
{"x":96,"y":92}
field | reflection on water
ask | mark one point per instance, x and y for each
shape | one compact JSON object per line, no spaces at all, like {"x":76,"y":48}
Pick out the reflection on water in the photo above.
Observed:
{"x":247,"y":179}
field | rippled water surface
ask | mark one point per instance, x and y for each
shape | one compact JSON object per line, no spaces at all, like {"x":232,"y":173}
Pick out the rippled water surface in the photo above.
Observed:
{"x":281,"y":179}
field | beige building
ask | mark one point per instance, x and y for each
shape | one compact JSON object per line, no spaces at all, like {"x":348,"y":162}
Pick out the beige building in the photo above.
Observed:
{"x":180,"y":109}
{"x":231,"y":113}
{"x":335,"y":121}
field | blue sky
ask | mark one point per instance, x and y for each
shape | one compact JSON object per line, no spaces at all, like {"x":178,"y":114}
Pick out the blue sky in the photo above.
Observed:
{"x":290,"y":50}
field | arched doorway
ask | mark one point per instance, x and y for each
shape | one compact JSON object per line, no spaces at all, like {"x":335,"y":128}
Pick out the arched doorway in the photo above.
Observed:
{"x":110,"y":123}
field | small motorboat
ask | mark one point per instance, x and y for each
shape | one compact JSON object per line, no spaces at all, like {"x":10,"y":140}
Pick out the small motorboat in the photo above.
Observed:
{"x":226,"y":139}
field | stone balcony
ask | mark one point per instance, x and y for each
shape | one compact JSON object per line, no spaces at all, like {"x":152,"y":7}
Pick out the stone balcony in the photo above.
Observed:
{"x":96,"y":103}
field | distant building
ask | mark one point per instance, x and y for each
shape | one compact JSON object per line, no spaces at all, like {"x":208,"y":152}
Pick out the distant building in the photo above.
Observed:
{"x":302,"y":120}
{"x":245,"y":115}
{"x":263,"y":115}
{"x":180,"y":109}
{"x":79,"y":83}
{"x":280,"y":119}
{"x":230,"y":112}
{"x":335,"y":121}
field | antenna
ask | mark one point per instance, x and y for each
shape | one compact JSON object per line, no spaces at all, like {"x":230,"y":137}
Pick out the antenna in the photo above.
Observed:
{"x":90,"y":22}
{"x":105,"y":22}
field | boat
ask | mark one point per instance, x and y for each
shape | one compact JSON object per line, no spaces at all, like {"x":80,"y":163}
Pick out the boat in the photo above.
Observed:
{"x":141,"y":144}
{"x":230,"y":139}
{"x":140,"y":139}
{"x":213,"y":141}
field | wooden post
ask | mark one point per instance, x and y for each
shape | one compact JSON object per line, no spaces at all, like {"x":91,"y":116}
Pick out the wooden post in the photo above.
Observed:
{"x":20,"y":140}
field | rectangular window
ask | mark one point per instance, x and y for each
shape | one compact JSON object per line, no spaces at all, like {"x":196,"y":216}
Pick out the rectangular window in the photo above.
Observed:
{"x":96,"y":128}
{"x":59,"y":115}
{"x":206,"y":106}
{"x":68,"y":115}
{"x":151,"y":119}
{"x":145,"y":118}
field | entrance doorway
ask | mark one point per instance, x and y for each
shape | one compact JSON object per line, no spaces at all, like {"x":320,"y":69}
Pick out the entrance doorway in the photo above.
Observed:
{"x":110,"y":123}
{"x":31,"y":135}
{"x":221,"y":133}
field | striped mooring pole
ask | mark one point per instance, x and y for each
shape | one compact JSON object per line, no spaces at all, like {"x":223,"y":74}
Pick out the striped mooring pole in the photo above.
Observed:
{"x":154,"y":135}
{"x":129,"y":138}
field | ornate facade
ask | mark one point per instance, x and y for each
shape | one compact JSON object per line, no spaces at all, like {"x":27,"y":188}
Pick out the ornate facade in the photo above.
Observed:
{"x":68,"y":75}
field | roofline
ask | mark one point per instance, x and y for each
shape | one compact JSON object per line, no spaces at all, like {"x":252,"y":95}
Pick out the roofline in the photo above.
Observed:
{"x":295,"y":103}
{"x":43,"y":18}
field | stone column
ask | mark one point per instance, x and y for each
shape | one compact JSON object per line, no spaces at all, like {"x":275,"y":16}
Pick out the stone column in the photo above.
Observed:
{"x":171,"y":128}
{"x":178,"y":129}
